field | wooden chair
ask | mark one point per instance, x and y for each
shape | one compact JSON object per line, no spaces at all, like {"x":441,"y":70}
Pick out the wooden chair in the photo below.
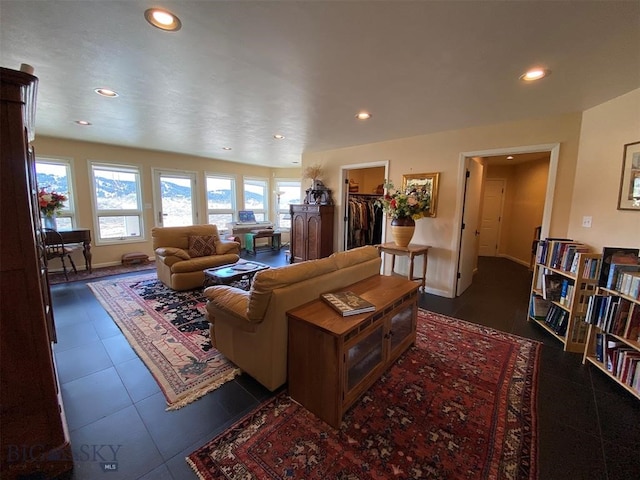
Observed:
{"x":56,"y":248}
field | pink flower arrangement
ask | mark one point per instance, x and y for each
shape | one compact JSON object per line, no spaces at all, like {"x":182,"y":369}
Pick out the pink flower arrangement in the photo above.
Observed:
{"x":412,"y":203}
{"x":50,"y":202}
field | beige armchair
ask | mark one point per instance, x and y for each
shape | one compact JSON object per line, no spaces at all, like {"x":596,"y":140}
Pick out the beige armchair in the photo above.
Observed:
{"x":183,"y":253}
{"x":250,"y":328}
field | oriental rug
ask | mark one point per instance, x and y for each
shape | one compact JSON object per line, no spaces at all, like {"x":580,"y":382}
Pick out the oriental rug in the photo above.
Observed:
{"x":168,"y":331}
{"x":460,"y":404}
{"x":82,"y":275}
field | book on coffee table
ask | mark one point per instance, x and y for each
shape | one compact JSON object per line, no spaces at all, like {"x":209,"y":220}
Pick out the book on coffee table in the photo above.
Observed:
{"x":348,"y":303}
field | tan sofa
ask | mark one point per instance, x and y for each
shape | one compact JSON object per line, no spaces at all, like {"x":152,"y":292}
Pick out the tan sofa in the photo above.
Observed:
{"x":183,"y":253}
{"x":250,"y":328}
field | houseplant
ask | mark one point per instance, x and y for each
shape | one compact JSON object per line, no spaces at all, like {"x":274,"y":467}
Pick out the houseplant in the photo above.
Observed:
{"x":404,"y":208}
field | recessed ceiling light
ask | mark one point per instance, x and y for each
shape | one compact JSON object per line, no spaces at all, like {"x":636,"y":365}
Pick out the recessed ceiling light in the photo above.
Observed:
{"x":163,"y":19}
{"x":105,"y":92}
{"x":535,"y":74}
{"x":363,"y":115}
{"x":510,"y":157}
{"x":84,"y":123}
{"x":226,"y":148}
{"x":277,"y":136}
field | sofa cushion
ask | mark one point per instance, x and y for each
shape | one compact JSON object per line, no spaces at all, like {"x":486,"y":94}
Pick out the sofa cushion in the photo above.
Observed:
{"x":354,"y":256}
{"x":172,"y":252}
{"x":267,"y":280}
{"x":201,"y":245}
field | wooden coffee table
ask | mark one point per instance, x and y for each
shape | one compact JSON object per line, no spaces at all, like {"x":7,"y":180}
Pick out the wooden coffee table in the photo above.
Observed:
{"x":238,"y":274}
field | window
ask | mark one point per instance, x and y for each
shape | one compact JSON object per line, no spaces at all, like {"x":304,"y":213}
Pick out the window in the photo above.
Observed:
{"x":54,"y":175}
{"x":118,"y":202}
{"x":255,"y":197}
{"x":287,"y":192}
{"x":221,"y":201}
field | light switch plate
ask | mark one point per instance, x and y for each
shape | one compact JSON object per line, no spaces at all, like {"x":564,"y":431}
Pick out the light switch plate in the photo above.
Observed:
{"x":586,"y":222}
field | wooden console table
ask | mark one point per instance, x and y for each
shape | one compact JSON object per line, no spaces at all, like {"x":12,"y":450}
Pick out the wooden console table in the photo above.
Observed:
{"x":412,"y":251}
{"x":333,"y":359}
{"x":79,"y":235}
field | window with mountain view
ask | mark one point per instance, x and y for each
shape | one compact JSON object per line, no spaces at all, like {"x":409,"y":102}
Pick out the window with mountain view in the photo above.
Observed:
{"x":54,"y":175}
{"x":287,"y":193}
{"x":221,"y":200}
{"x":255,"y":197}
{"x":118,"y":202}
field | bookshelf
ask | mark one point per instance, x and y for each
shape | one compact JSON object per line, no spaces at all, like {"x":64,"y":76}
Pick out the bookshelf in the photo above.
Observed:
{"x":565,"y":275}
{"x":613,"y":343}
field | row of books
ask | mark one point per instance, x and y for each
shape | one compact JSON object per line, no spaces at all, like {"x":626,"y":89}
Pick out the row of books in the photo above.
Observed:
{"x":614,"y":314}
{"x":621,"y":269}
{"x":560,"y":253}
{"x":619,"y":359}
{"x":557,"y":319}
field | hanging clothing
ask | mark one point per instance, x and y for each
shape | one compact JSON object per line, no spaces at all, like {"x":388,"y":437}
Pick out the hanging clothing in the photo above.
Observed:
{"x":364,"y":221}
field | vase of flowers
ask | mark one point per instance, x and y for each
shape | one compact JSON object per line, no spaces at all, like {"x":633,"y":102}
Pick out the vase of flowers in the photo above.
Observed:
{"x":50,"y":203}
{"x":404,"y":208}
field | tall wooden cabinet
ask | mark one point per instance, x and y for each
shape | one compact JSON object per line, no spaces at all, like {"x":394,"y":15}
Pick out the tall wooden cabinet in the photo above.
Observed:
{"x":311,"y":231}
{"x":33,"y":436}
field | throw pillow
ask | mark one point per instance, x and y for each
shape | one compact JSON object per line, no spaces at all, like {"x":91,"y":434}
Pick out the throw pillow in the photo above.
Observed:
{"x":201,"y":246}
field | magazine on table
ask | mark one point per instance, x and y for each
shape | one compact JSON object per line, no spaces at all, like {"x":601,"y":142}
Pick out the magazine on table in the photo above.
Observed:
{"x":348,"y":303}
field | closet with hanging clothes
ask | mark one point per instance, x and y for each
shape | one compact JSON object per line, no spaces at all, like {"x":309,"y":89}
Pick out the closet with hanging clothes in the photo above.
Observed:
{"x":364,"y":219}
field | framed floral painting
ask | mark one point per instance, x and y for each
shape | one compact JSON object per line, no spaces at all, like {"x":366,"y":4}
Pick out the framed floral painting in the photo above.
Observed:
{"x":629,"y":196}
{"x":426,"y":182}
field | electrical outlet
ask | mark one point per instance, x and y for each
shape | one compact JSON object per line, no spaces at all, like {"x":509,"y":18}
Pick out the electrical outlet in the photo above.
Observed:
{"x":586,"y":222}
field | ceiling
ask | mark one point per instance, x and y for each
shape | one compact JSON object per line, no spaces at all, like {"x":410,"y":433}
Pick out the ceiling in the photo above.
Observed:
{"x":239,"y":72}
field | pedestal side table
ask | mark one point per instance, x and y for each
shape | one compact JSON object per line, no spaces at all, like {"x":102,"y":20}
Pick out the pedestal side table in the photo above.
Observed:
{"x":412,"y":251}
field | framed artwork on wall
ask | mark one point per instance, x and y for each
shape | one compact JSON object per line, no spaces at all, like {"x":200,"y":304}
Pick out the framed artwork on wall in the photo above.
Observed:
{"x":423,"y":181}
{"x":629,"y":196}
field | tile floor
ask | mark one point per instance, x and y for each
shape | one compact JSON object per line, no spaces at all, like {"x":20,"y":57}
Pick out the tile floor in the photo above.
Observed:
{"x":589,"y":427}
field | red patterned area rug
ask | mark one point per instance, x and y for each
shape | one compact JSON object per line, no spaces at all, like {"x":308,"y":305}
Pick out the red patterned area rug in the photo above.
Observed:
{"x":168,"y":331}
{"x":460,"y":404}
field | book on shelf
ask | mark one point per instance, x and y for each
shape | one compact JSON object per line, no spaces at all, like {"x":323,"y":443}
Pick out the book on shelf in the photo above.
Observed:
{"x":347,"y":303}
{"x":599,"y":340}
{"x":616,"y":255}
{"x":539,"y":307}
{"x":632,"y":328}
{"x":630,"y":284}
{"x":552,"y":286}
{"x":615,"y":271}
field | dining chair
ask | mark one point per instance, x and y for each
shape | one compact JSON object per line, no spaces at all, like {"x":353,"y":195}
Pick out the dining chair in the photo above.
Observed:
{"x":56,"y":248}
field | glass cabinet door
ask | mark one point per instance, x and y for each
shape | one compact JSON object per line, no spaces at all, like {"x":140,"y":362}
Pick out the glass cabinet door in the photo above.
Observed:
{"x":363,"y":357}
{"x":401,"y":326}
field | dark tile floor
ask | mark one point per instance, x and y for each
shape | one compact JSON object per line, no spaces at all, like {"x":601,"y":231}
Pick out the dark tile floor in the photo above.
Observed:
{"x":589,"y":427}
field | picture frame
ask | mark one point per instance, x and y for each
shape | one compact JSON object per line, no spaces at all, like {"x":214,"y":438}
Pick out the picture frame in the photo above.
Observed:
{"x":428,"y":181}
{"x":629,"y":196}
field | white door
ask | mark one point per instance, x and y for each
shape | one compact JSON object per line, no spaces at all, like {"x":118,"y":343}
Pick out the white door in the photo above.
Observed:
{"x":492,"y":204}
{"x":470,"y":224}
{"x":175,"y":198}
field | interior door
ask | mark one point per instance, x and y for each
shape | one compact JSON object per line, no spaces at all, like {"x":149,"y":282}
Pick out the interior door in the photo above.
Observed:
{"x":470,"y":224}
{"x":492,"y":204}
{"x":175,"y":198}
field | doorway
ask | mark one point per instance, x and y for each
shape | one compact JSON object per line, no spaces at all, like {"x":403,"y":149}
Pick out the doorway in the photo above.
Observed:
{"x":492,"y":204}
{"x":174,"y":198}
{"x":468,"y":245}
{"x":367,"y":176}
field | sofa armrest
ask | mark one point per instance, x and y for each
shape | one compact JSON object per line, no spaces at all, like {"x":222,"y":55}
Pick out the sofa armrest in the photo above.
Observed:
{"x":231,"y":300}
{"x":172,"y":251}
{"x":227,"y":246}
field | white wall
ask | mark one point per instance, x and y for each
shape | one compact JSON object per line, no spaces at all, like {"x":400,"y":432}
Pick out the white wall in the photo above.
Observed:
{"x":440,"y":152}
{"x":605,"y":130}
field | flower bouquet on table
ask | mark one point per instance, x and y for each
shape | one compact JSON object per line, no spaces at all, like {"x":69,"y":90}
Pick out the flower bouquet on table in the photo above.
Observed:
{"x":50,"y":202}
{"x":412,"y":203}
